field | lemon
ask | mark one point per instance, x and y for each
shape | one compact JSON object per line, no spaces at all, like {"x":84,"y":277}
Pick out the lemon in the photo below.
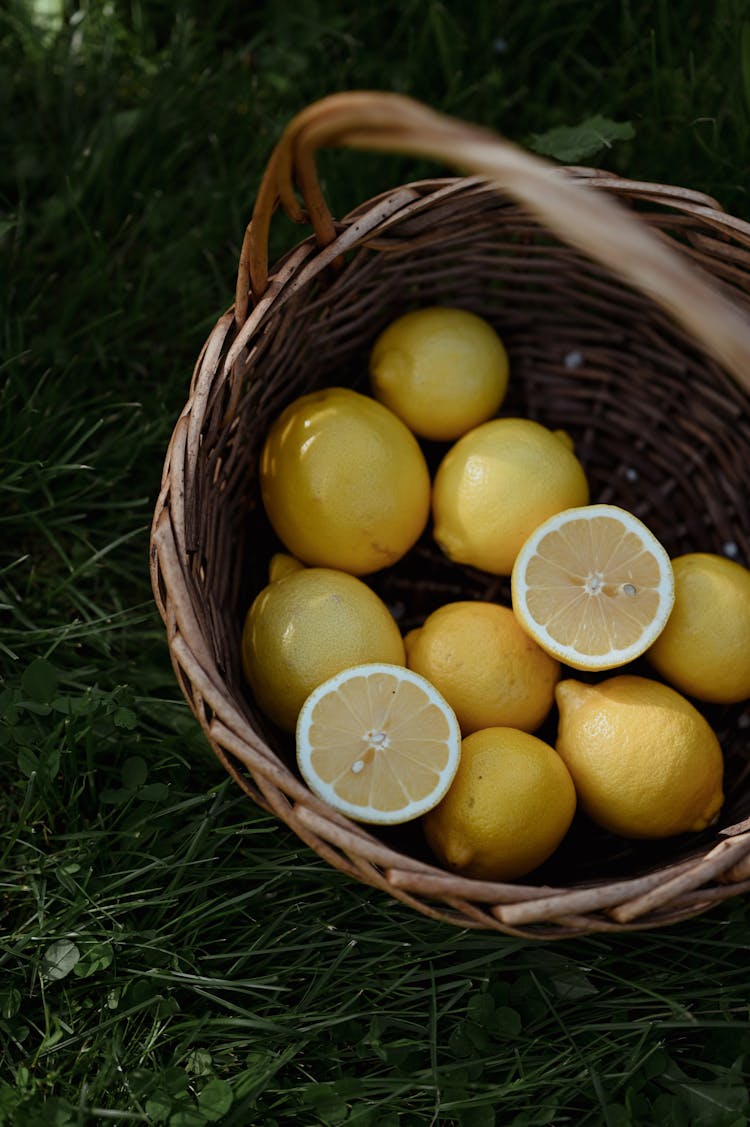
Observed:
{"x":304,"y":628}
{"x":442,"y":370}
{"x":496,"y":485}
{"x":644,"y":761}
{"x":507,"y":810}
{"x":593,"y":586}
{"x":344,"y":482}
{"x":704,"y":649}
{"x":485,"y":665}
{"x":377,"y":742}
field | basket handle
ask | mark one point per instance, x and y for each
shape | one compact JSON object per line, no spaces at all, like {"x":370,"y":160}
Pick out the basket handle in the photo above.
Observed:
{"x":588,"y":220}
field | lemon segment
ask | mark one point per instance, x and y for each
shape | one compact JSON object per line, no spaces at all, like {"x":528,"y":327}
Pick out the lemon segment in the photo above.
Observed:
{"x":378,"y":743}
{"x":344,"y":482}
{"x":507,"y":810}
{"x":593,"y":587}
{"x":441,"y":370}
{"x":496,"y":484}
{"x":307,"y":626}
{"x":485,"y":665}
{"x":645,"y":762}
{"x":704,"y":649}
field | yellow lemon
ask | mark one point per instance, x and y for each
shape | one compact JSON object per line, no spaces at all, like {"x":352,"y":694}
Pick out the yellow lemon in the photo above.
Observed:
{"x":304,"y":628}
{"x":485,"y":665}
{"x":496,"y":485}
{"x":593,"y":586}
{"x":644,"y":761}
{"x":704,"y":649}
{"x":379,"y":743}
{"x":441,"y":370}
{"x":507,"y":810}
{"x":344,"y":482}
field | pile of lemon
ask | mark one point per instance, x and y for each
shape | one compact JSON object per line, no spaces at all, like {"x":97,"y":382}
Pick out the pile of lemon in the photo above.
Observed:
{"x":440,"y":724}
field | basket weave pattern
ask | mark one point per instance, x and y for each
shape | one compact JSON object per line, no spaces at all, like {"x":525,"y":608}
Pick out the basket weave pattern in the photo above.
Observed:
{"x":661,"y":428}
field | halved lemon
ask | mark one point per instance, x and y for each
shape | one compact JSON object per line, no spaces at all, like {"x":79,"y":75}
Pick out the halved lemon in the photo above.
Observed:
{"x":593,"y":586}
{"x":379,"y":743}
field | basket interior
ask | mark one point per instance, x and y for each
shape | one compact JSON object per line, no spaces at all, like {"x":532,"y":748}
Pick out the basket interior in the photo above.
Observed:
{"x":660,"y":429}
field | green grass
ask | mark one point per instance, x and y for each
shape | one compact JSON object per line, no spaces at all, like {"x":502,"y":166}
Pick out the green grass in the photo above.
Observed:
{"x":168,"y":952}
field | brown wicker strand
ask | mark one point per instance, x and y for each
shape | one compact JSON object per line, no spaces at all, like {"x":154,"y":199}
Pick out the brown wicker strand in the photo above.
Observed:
{"x":715,"y":862}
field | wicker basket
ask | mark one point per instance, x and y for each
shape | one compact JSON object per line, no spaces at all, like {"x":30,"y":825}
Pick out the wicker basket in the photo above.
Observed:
{"x":624,"y":309}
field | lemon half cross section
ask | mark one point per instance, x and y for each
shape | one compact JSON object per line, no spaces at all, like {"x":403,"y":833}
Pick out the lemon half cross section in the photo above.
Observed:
{"x":379,"y":743}
{"x":593,"y":587}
